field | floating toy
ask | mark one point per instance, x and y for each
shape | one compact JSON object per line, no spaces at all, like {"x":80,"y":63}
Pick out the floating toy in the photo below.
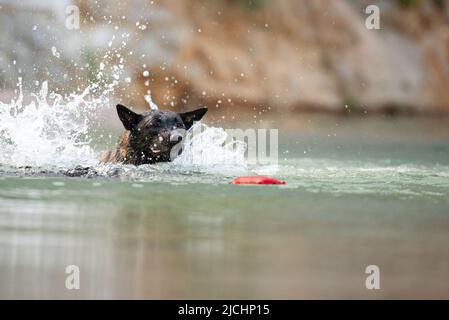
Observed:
{"x":256,"y":180}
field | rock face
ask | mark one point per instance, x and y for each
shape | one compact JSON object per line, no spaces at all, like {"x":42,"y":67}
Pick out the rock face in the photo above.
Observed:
{"x":282,"y":54}
{"x":317,"y":54}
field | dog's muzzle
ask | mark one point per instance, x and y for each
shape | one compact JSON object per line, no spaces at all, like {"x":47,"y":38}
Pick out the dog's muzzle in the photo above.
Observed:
{"x":176,"y":138}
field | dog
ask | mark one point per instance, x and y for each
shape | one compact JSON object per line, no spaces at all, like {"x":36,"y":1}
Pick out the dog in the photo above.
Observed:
{"x":150,"y":137}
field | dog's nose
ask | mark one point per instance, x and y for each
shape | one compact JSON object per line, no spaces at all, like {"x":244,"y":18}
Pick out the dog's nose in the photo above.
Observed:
{"x":175,"y":138}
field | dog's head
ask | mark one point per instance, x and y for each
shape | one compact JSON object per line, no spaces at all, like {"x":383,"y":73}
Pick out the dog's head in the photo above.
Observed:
{"x":154,"y":134}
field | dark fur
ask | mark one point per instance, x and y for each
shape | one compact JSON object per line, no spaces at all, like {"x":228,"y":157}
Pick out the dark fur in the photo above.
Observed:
{"x":149,"y":137}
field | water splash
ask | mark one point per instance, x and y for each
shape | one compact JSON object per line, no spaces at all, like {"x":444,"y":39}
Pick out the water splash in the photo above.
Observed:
{"x":54,"y":132}
{"x":208,"y":157}
{"x":50,"y":130}
{"x":210,"y":149}
{"x":150,"y":102}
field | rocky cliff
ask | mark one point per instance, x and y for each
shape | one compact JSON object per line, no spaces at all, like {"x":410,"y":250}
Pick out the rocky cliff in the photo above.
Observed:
{"x":285,"y":55}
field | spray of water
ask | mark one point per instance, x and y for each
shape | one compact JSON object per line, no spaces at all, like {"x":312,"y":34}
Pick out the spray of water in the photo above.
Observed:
{"x":211,"y":149}
{"x":150,"y":102}
{"x":46,"y":130}
{"x":52,"y":131}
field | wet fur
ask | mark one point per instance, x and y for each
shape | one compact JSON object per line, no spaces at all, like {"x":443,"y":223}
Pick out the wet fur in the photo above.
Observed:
{"x":122,"y":154}
{"x":143,"y":131}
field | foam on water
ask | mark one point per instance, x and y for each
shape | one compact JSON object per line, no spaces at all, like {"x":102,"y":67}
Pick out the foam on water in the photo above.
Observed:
{"x":50,"y":130}
{"x":54,"y":132}
{"x":210,"y":149}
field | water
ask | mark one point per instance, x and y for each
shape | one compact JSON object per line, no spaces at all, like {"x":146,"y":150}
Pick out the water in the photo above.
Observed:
{"x":360,"y":191}
{"x":353,"y":198}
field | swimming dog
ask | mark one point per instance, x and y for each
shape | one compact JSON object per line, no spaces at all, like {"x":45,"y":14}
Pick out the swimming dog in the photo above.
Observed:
{"x":150,"y":137}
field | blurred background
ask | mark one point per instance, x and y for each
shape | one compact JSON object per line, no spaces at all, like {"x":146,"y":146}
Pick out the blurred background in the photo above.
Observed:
{"x":363,"y":129}
{"x":286,"y":55}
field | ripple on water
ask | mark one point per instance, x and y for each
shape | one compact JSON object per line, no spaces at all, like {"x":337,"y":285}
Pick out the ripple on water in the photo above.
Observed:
{"x":318,"y":176}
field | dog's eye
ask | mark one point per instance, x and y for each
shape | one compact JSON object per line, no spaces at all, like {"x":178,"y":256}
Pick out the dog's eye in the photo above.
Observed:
{"x":156,"y":122}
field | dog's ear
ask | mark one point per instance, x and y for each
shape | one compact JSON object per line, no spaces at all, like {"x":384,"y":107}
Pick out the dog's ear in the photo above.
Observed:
{"x":129,"y":118}
{"x":189,"y":117}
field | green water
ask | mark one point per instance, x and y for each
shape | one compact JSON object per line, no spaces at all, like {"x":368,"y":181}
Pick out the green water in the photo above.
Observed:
{"x":358,"y":193}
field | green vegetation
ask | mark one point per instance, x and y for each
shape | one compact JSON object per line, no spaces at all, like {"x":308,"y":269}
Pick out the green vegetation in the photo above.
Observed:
{"x":251,"y":5}
{"x":91,"y":59}
{"x":407,"y":3}
{"x":92,"y":64}
{"x":350,"y":104}
{"x":247,"y":5}
{"x":440,"y":4}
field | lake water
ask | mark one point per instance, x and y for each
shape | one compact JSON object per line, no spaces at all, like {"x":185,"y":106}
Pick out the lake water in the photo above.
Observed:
{"x":360,"y":191}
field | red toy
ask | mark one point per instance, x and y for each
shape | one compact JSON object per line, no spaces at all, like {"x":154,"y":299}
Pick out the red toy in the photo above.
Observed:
{"x":256,"y":180}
